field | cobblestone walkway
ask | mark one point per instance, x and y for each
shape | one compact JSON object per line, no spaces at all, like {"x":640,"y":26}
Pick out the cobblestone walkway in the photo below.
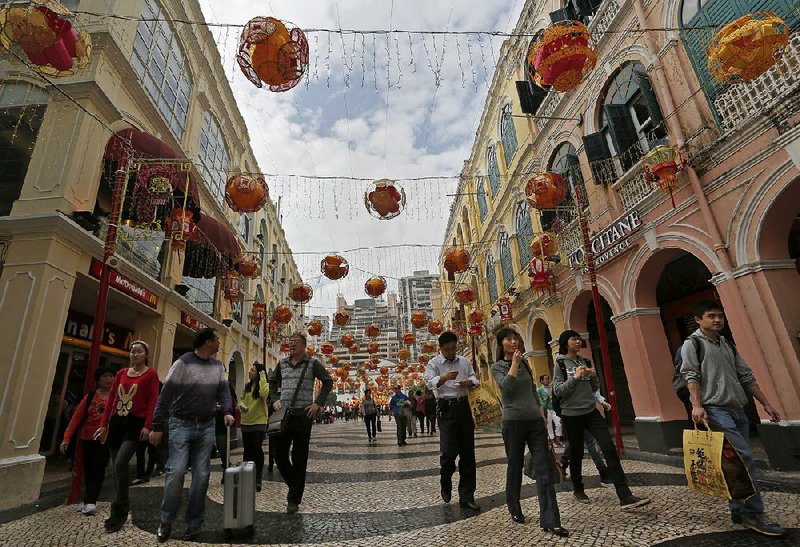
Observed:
{"x":366,"y":495}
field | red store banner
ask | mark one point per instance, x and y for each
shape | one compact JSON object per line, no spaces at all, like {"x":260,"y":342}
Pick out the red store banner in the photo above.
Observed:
{"x":504,"y":306}
{"x":189,"y":321}
{"x":124,"y":285}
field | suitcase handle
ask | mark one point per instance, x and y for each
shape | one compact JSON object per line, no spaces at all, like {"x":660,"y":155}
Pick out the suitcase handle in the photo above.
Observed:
{"x":228,"y":447}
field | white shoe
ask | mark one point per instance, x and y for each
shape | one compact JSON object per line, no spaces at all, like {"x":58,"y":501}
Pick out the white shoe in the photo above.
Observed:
{"x":89,"y":509}
{"x":79,"y":508}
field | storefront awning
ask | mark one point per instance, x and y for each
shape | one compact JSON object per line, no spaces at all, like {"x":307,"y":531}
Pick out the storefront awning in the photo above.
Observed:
{"x":211,"y":232}
{"x":210,"y":250}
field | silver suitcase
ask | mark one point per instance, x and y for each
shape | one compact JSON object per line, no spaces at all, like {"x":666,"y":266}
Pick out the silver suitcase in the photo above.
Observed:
{"x":239,"y":502}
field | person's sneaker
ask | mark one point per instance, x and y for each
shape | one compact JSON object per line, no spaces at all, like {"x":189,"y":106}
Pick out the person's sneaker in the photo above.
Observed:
{"x":292,"y":507}
{"x":581,"y":497}
{"x":89,"y":509}
{"x":605,"y":481}
{"x":632,"y":502}
{"x":79,"y":508}
{"x":736,"y":517}
{"x":757,"y":523}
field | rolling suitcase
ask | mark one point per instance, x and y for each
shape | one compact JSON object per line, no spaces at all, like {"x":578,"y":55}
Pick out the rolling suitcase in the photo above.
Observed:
{"x":239,"y":502}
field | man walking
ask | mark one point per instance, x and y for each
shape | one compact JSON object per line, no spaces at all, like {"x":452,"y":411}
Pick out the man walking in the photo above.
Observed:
{"x":194,"y":385}
{"x":294,"y":377}
{"x":396,"y":406}
{"x":717,"y":378}
{"x":451,"y":376}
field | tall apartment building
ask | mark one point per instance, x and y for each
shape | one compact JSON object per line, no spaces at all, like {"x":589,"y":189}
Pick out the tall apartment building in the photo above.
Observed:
{"x":415,"y":295}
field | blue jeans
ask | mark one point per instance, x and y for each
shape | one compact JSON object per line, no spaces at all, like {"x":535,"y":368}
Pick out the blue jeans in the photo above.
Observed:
{"x":188,"y":441}
{"x":735,"y":425}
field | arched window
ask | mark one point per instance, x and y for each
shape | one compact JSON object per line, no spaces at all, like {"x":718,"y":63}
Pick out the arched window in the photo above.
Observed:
{"x":480,"y":192}
{"x":213,"y":158}
{"x":162,"y":69}
{"x":522,"y":218}
{"x":506,"y":264}
{"x":262,"y":243}
{"x":494,"y":169}
{"x":491,"y":279}
{"x":565,"y":163}
{"x":508,"y":134}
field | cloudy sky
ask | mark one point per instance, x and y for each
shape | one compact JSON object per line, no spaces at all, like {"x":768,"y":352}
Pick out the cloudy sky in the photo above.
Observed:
{"x":373,"y":105}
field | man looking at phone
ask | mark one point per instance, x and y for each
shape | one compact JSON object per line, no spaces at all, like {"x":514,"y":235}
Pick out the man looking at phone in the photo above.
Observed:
{"x":451,"y":377}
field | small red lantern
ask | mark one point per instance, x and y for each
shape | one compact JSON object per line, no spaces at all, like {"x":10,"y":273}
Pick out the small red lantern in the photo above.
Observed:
{"x":375,"y":286}
{"x":327,"y":348}
{"x":348,"y":340}
{"x":435,"y":328}
{"x":274,"y":329}
{"x":409,"y":338}
{"x":546,"y":190}
{"x":465,"y":295}
{"x":354,"y":348}
{"x":334,"y":359}
{"x":269,"y":53}
{"x":311,"y":351}
{"x":456,"y":260}
{"x":662,"y":165}
{"x":372,"y":331}
{"x":476,"y":317}
{"x":540,"y":274}
{"x":384,"y":371}
{"x":233,"y":285}
{"x":248,"y":266}
{"x":282,"y":314}
{"x":315,"y":328}
{"x":562,"y":57}
{"x":342,"y":318}
{"x":403,"y":354}
{"x":476,"y":330}
{"x":301,"y":293}
{"x":544,"y":244}
{"x":246,"y":194}
{"x":180,"y":227}
{"x":259,"y":313}
{"x":373,"y":347}
{"x":386,"y":201}
{"x":429,"y":347}
{"x":334,"y":267}
{"x":419,"y":319}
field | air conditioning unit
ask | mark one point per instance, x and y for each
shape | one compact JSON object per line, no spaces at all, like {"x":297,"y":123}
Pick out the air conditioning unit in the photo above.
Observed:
{"x":113,"y":262}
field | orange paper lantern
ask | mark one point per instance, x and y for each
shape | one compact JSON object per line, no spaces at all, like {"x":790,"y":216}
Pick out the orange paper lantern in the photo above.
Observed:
{"x":456,"y":260}
{"x":562,"y":57}
{"x":386,"y":201}
{"x":301,"y":293}
{"x":546,"y":190}
{"x":409,"y":338}
{"x":334,"y":267}
{"x":246,"y":194}
{"x":269,"y":53}
{"x":435,"y":328}
{"x":373,"y":347}
{"x":384,"y":371}
{"x":342,"y":318}
{"x":403,"y":354}
{"x":372,"y":331}
{"x":282,"y":314}
{"x":375,"y":286}
{"x":248,"y":266}
{"x":429,"y":347}
{"x":419,"y":319}
{"x":354,"y":348}
{"x":375,"y":359}
{"x":348,"y":340}
{"x":334,"y":359}
{"x":465,"y":295}
{"x":315,"y":328}
{"x":327,"y":348}
{"x":423,"y":359}
{"x":747,"y":47}
{"x":543,"y":245}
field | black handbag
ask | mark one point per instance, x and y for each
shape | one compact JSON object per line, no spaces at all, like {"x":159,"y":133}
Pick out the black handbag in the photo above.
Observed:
{"x":278,"y":421}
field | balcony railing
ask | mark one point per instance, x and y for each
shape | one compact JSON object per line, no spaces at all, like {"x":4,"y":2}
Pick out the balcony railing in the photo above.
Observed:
{"x":744,"y":101}
{"x":141,"y":248}
{"x":633,"y":188}
{"x":571,"y":237}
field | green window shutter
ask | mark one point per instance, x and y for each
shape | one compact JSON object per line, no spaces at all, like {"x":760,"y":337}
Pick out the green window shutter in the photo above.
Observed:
{"x":598,"y":156}
{"x":623,"y":134}
{"x":656,"y":118}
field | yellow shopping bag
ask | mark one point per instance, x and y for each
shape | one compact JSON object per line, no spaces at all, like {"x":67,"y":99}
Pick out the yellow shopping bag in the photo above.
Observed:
{"x":713,"y":467}
{"x":485,"y":406}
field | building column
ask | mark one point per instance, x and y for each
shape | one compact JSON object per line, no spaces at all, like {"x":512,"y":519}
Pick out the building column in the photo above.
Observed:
{"x":660,"y":416}
{"x":159,"y":333}
{"x":35,"y":292}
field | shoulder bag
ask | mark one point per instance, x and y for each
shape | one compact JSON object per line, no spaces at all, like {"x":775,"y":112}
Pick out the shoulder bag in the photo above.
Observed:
{"x":279,"y":419}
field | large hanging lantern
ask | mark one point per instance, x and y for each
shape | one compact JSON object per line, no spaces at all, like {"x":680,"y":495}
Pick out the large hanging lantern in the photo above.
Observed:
{"x":428,"y":347}
{"x":301,"y":293}
{"x":375,"y":286}
{"x":476,"y":317}
{"x":327,"y":348}
{"x":435,"y":328}
{"x":747,"y":47}
{"x":342,"y":318}
{"x":464,"y":295}
{"x":180,"y":227}
{"x":46,"y":36}
{"x":372,"y":331}
{"x":258,"y":313}
{"x":386,"y":201}
{"x":271,"y":54}
{"x":546,"y":190}
{"x":348,"y":340}
{"x":419,"y":319}
{"x":248,"y":266}
{"x":403,"y":354}
{"x":232,"y":283}
{"x":282,"y":314}
{"x":456,"y":260}
{"x":662,"y":165}
{"x":315,"y":328}
{"x":562,"y":57}
{"x":246,"y":194}
{"x":334,"y":267}
{"x":544,"y":244}
{"x":540,"y":275}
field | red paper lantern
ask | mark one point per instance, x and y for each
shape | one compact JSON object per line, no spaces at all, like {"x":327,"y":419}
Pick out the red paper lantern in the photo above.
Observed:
{"x":246,"y":194}
{"x":258,"y":313}
{"x":342,"y":318}
{"x":476,"y":317}
{"x":373,"y":347}
{"x":375,"y":286}
{"x":456,"y":260}
{"x":465,"y":295}
{"x":423,"y":359}
{"x":562,"y":57}
{"x":429,"y":347}
{"x":232,"y":286}
{"x":546,"y":190}
{"x":334,"y":359}
{"x":435,"y":328}
{"x":301,"y":293}
{"x":248,"y":266}
{"x":543,"y":245}
{"x":282,"y":314}
{"x":419,"y":319}
{"x":180,"y":227}
{"x":354,"y":348}
{"x":409,"y":338}
{"x":372,"y":331}
{"x":327,"y":348}
{"x":348,"y":340}
{"x":386,"y":201}
{"x":476,"y":330}
{"x":403,"y":354}
{"x":274,"y":329}
{"x":375,"y":359}
{"x":315,"y":328}
{"x":384,"y":371}
{"x":334,"y":267}
{"x":269,"y":53}
{"x":540,"y":274}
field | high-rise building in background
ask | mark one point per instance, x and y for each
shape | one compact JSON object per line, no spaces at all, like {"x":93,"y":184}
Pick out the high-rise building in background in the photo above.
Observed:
{"x":415,"y":295}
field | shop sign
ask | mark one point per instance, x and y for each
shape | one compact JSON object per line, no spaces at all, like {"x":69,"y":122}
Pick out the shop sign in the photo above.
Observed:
{"x":80,"y":326}
{"x":610,"y":242}
{"x":189,"y":321}
{"x":125,"y":285}
{"x":504,"y":306}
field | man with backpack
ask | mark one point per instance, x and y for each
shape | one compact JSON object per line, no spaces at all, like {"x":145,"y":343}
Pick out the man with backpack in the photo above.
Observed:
{"x":717,"y":379}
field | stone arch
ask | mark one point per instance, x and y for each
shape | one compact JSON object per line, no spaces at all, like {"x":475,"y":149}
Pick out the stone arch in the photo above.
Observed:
{"x":236,"y":370}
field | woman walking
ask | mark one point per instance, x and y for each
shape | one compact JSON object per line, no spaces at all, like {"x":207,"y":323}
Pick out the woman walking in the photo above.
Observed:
{"x":127,"y":420}
{"x":370,"y":411}
{"x":254,"y":418}
{"x":85,"y":422}
{"x":523,"y":424}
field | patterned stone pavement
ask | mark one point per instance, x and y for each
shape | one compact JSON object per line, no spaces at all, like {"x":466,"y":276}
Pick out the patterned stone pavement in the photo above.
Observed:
{"x":359,"y":495}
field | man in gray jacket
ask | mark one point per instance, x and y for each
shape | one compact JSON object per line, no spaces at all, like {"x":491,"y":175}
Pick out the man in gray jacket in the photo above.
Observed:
{"x":717,"y":378}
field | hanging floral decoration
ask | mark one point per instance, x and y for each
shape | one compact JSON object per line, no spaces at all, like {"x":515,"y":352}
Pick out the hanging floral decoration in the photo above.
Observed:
{"x":546,"y":190}
{"x":419,"y":319}
{"x":403,"y":354}
{"x":334,"y":359}
{"x":348,"y":340}
{"x":423,"y":359}
{"x":562,"y":57}
{"x":342,"y":318}
{"x":428,"y":347}
{"x":301,"y":293}
{"x":334,"y":267}
{"x":544,"y":244}
{"x":476,"y":317}
{"x":327,"y":348}
{"x":464,"y":295}
{"x":662,"y":166}
{"x":541,"y":277}
{"x":373,"y":347}
{"x":456,"y":260}
{"x":180,"y":227}
{"x":747,"y":47}
{"x":372,"y":331}
{"x":232,"y":286}
{"x":282,"y":314}
{"x":435,"y":328}
{"x":386,"y":201}
{"x":375,"y":286}
{"x":271,"y":54}
{"x":409,"y":338}
{"x":315,"y":328}
{"x":246,"y":194}
{"x":354,"y":348}
{"x":154,"y":185}
{"x":46,"y":36}
{"x":248,"y":266}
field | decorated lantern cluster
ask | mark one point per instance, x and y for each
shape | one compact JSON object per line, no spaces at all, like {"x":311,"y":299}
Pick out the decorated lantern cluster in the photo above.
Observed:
{"x":456,"y":260}
{"x":375,"y":286}
{"x":180,"y":227}
{"x":232,"y":286}
{"x":541,"y":277}
{"x":245,"y":194}
{"x":464,"y":295}
{"x":562,"y":57}
{"x":386,"y":201}
{"x":334,"y":267}
{"x":271,"y":54}
{"x":342,"y":318}
{"x":546,"y":190}
{"x":747,"y":47}
{"x":247,"y":266}
{"x":46,"y":36}
{"x":282,"y":314}
{"x":301,"y":293}
{"x":258,"y":314}
{"x":544,"y":244}
{"x":419,"y":319}
{"x":315,"y":328}
{"x":662,"y":166}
